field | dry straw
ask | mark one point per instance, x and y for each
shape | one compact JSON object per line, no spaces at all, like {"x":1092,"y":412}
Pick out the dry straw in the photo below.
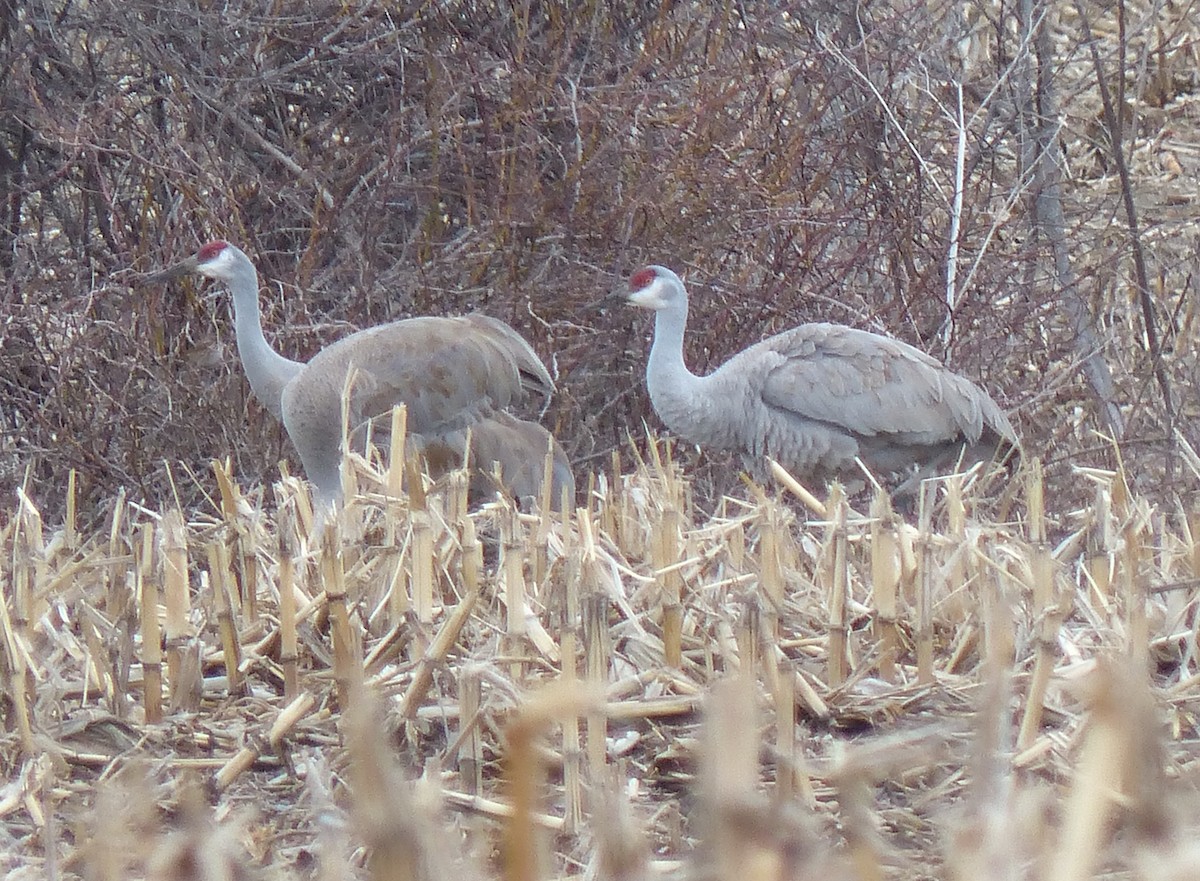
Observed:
{"x":905,"y":693}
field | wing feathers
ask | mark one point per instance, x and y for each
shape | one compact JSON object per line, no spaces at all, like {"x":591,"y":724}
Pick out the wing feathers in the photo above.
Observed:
{"x":869,"y":385}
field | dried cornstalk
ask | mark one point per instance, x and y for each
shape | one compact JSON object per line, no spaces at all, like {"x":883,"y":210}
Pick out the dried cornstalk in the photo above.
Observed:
{"x":546,"y":507}
{"x":540,"y":554}
{"x":415,"y":481}
{"x":397,"y":440}
{"x":798,"y":489}
{"x":458,"y":495}
{"x":522,"y":849}
{"x":786,"y":777}
{"x":347,"y":664}
{"x":1133,"y":584}
{"x":229,"y":491}
{"x":571,"y":736}
{"x":771,"y":565}
{"x":614,"y":506}
{"x":1045,"y":606}
{"x":513,"y":569}
{"x":117,"y":601}
{"x":241,"y":762}
{"x":435,"y":656}
{"x":384,"y":811}
{"x":17,"y":663}
{"x":218,"y":575}
{"x":594,"y":606}
{"x":421,"y":560}
{"x":247,"y":555}
{"x":177,"y":602}
{"x":22,"y":576}
{"x":837,"y":582}
{"x":152,"y":685}
{"x":400,"y":583}
{"x":1035,"y":502}
{"x":924,"y":580}
{"x":749,"y":633}
{"x":885,"y":577}
{"x":472,"y":556}
{"x":729,"y":777}
{"x":70,"y":531}
{"x":289,"y":655}
{"x":955,"y":575}
{"x":469,"y":744}
{"x":665,"y":546}
{"x":1104,"y":758}
{"x":735,"y":545}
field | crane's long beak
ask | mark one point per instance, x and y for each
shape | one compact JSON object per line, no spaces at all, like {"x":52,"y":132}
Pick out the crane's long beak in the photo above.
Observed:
{"x":183,"y":267}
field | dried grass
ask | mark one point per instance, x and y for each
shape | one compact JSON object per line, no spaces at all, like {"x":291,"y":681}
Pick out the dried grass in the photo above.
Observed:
{"x":939,"y":695}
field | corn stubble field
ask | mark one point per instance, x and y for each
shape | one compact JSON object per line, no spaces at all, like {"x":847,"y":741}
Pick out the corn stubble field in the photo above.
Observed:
{"x":691,"y":674}
{"x":789,"y":687}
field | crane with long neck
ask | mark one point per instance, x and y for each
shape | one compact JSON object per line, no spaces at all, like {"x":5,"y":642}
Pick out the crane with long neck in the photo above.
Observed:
{"x":267,"y":370}
{"x":455,"y":376}
{"x":818,"y":397}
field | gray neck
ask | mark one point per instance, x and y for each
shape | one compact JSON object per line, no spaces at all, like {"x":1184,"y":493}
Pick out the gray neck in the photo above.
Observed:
{"x":267,"y":370}
{"x":673,"y":388}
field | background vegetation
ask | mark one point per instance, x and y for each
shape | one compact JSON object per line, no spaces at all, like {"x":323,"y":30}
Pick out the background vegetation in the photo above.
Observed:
{"x":794,"y":161}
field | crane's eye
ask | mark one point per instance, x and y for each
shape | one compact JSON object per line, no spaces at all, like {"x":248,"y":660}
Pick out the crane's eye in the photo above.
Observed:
{"x":210,"y":251}
{"x":641,"y":278}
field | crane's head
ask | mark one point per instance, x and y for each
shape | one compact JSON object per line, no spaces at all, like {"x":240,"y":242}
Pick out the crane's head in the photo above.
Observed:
{"x":217,"y":259}
{"x":656,"y":287}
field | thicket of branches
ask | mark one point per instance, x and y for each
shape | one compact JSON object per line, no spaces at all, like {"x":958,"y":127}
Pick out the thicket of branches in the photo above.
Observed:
{"x":380,"y":160}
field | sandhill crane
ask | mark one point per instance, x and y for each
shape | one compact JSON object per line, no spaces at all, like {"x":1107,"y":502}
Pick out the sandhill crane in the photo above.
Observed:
{"x":817,"y":396}
{"x":516,"y":447}
{"x":453,"y":375}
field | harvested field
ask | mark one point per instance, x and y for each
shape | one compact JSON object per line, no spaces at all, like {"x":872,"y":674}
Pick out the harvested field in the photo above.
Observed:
{"x":783,"y":690}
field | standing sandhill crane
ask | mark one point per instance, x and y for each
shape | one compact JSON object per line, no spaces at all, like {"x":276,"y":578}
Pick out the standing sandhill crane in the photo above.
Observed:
{"x":452,"y":374}
{"x":818,"y":396}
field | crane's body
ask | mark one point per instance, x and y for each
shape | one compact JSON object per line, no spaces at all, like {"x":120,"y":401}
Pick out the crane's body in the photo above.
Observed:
{"x":818,"y":396}
{"x":507,"y":454}
{"x":450,"y":373}
{"x":453,"y":375}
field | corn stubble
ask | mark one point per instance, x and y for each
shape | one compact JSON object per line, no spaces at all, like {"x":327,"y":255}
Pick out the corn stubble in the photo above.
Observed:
{"x":785,"y":687}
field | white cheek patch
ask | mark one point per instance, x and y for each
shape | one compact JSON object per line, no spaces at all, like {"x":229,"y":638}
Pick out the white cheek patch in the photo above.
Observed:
{"x":650,"y":296}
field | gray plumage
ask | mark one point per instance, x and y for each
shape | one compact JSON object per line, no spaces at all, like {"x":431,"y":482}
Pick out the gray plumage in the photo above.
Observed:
{"x":817,"y":396}
{"x":453,"y":374}
{"x":515,"y":449}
